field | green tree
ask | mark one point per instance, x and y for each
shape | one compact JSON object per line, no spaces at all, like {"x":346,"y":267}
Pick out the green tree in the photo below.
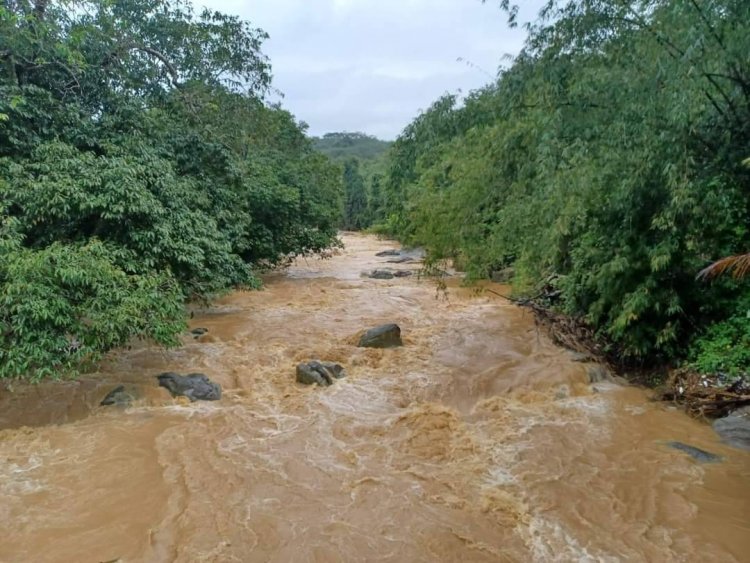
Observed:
{"x":355,"y":207}
{"x":606,"y":161}
{"x":140,"y":166}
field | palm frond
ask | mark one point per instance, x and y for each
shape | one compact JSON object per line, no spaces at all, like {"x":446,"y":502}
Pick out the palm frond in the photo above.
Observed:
{"x":738,"y":266}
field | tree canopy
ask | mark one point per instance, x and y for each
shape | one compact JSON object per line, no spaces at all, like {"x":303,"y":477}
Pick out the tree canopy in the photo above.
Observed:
{"x":606,"y":161}
{"x":340,"y":146}
{"x":139,"y":167}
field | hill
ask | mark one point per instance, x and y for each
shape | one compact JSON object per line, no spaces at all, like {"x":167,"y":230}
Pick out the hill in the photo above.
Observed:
{"x":340,"y":146}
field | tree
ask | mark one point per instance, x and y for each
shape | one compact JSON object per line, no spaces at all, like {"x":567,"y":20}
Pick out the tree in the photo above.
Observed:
{"x":355,"y":208}
{"x":139,"y":167}
{"x":606,"y":160}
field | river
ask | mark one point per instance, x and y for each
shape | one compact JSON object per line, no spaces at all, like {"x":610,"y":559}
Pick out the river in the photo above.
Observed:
{"x":479,"y":440}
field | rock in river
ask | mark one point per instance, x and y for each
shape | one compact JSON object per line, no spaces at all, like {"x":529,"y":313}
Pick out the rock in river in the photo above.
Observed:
{"x":198,"y":332}
{"x":119,"y":396}
{"x":387,"y":274}
{"x":391,"y":252}
{"x":381,"y":275}
{"x":384,"y":336}
{"x":696,"y":453}
{"x":194,"y":386}
{"x":322,"y":373}
{"x":735,"y":428}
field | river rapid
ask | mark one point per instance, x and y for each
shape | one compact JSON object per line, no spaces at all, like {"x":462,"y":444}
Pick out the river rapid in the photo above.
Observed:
{"x":479,"y":440}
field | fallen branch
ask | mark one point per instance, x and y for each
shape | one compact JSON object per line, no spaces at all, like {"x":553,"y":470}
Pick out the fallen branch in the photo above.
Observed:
{"x":705,"y":396}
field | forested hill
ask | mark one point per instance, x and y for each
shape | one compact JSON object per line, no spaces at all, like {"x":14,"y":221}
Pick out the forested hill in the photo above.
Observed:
{"x":362,"y":159}
{"x":607,"y":166}
{"x":139,"y":167}
{"x":340,"y":146}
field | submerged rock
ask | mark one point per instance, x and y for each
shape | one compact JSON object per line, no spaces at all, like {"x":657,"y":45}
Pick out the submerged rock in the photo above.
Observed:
{"x":391,"y":252}
{"x":198,"y":332}
{"x":598,"y":373}
{"x":387,"y":274}
{"x":400,"y":260}
{"x":696,"y":453}
{"x":119,"y":396}
{"x":384,"y":336}
{"x":321,"y":373}
{"x":581,"y":357}
{"x":194,"y":386}
{"x":381,"y":275}
{"x":735,"y":428}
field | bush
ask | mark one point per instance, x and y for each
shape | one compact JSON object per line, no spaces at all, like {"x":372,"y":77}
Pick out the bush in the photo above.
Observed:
{"x":724,"y":348}
{"x":62,"y":307}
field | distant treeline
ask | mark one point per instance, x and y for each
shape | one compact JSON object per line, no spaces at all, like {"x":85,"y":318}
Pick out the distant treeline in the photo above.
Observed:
{"x":139,"y":167}
{"x":340,"y":146}
{"x":607,"y":165}
{"x":362,"y":160}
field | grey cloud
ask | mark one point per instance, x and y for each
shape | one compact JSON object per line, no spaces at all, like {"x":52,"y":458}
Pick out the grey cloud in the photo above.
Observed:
{"x":371,"y":65}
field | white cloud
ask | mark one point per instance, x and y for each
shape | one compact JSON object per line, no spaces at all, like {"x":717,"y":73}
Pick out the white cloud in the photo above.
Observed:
{"x":371,"y":65}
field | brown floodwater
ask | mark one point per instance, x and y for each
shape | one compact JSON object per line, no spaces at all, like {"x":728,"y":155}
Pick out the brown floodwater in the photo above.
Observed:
{"x":479,"y":440}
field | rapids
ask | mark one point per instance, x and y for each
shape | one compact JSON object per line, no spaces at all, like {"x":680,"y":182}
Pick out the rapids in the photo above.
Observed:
{"x":479,"y":440}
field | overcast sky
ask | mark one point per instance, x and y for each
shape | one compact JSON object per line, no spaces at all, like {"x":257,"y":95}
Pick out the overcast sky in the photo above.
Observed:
{"x":371,"y":65}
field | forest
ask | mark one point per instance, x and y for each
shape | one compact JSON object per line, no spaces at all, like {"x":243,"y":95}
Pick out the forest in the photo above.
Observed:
{"x":606,"y":166}
{"x":362,"y":159}
{"x":140,"y":168}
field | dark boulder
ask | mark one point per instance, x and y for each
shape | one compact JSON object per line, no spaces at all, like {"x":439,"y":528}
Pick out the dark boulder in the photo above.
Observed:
{"x":696,"y":453}
{"x":735,"y":428}
{"x":381,"y":275}
{"x":385,"y":336}
{"x":387,"y":274}
{"x":598,"y":373}
{"x":194,"y":386}
{"x":119,"y":396}
{"x":198,"y":332}
{"x":322,"y":373}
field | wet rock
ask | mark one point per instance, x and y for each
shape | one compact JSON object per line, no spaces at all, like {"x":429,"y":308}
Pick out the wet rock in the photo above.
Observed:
{"x":563,"y":392}
{"x":391,"y":252}
{"x":598,"y":373}
{"x":194,"y":386}
{"x":400,"y":260}
{"x":321,"y":373}
{"x":387,"y":274}
{"x":197,"y":332}
{"x":384,"y":336}
{"x":735,"y":428}
{"x":119,"y":396}
{"x":503,"y":276}
{"x":696,"y":453}
{"x":402,"y":273}
{"x":381,"y":275}
{"x":581,"y":357}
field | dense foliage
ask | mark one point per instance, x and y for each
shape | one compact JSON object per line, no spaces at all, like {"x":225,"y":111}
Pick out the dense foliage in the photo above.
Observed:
{"x":362,"y":159}
{"x":139,"y":167}
{"x":605,"y":163}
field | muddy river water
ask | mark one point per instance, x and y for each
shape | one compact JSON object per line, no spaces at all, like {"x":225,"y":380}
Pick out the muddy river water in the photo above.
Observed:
{"x":479,"y":440}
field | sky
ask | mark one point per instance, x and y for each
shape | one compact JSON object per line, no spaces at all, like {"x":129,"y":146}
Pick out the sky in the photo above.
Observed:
{"x":372,"y":65}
